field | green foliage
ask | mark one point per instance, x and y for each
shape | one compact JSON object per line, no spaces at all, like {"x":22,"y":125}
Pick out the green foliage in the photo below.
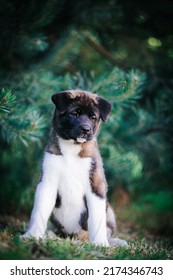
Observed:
{"x":119,"y":86}
{"x":12,"y":126}
{"x":29,"y":128}
{"x":7,"y":99}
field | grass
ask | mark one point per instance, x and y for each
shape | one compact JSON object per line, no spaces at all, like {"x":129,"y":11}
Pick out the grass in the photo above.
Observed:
{"x":141,"y":246}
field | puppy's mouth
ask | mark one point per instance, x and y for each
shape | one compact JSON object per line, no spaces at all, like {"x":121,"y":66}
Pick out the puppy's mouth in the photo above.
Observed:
{"x":83,"y":134}
{"x":81,"y":140}
{"x":79,"y":135}
{"x":78,"y":139}
{"x":83,"y":137}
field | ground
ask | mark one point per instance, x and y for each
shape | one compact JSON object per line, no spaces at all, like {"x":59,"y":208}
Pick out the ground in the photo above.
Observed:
{"x":142,"y":245}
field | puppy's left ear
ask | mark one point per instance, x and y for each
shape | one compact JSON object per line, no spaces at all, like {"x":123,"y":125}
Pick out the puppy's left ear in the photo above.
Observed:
{"x":104,"y":108}
{"x":61,"y":100}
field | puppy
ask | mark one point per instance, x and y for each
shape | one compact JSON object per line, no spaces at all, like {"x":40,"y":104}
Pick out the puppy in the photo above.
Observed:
{"x":72,"y":190}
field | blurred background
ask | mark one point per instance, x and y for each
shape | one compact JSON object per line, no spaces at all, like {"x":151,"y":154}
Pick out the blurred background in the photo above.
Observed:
{"x":120,"y":49}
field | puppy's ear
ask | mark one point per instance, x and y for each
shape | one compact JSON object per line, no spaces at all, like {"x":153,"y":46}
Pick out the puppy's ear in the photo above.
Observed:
{"x":61,"y":100}
{"x":104,"y":108}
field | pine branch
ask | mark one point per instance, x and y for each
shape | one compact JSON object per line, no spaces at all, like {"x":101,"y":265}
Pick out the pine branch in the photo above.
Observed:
{"x":29,"y":46}
{"x":28,"y":128}
{"x":121,"y":87}
{"x":7,"y":100}
{"x":129,"y":88}
{"x":64,"y":51}
{"x":100,"y":49}
{"x":18,"y":123}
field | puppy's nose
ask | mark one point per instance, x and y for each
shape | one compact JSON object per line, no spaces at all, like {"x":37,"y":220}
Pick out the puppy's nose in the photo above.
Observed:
{"x":85,"y":129}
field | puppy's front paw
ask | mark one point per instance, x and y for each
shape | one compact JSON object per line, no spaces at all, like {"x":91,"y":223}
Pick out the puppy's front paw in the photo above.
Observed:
{"x":30,"y":234}
{"x":101,"y":242}
{"x":118,"y":242}
{"x":25,"y":236}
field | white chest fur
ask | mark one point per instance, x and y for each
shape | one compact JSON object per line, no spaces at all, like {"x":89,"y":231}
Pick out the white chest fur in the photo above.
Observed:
{"x":73,"y":187}
{"x":71,"y":174}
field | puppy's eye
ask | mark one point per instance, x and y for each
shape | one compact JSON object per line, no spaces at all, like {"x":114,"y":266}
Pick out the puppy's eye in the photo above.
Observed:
{"x":93,"y":117}
{"x":76,"y":113}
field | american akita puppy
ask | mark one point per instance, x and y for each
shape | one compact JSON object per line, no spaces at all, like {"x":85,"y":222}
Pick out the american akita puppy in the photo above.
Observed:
{"x":72,"y":190}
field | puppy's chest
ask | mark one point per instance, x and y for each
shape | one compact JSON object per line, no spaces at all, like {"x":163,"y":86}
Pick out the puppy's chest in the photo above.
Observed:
{"x":74,"y":171}
{"x":74,"y":175}
{"x":72,"y":189}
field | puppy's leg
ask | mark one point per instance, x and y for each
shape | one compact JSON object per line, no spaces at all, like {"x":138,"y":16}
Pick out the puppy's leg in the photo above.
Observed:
{"x":43,"y":206}
{"x":111,"y":227}
{"x":45,"y":198}
{"x":97,"y":220}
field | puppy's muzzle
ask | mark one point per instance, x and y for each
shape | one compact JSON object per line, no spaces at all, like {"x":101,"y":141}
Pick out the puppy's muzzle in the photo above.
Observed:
{"x":85,"y":133}
{"x":85,"y":129}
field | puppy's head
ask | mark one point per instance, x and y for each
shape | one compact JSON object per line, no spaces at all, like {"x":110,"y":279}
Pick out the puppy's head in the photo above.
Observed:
{"x":78,"y":114}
